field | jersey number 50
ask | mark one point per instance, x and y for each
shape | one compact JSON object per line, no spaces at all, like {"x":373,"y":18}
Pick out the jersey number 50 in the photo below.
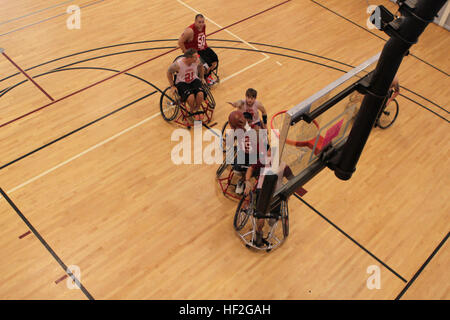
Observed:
{"x":201,"y":41}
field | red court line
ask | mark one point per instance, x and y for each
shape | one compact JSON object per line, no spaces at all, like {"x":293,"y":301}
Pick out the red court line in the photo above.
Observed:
{"x":25,"y":234}
{"x":61,"y":279}
{"x":252,"y":16}
{"x":26,"y":75}
{"x":131,"y":68}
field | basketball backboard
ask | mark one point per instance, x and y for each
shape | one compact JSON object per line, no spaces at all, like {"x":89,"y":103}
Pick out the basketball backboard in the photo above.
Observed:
{"x":320,"y":122}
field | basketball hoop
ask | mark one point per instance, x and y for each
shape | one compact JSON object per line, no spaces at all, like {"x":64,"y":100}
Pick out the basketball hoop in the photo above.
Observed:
{"x":308,"y":137}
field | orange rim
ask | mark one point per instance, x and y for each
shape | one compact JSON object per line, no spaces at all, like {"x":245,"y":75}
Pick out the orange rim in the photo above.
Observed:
{"x":307,"y":143}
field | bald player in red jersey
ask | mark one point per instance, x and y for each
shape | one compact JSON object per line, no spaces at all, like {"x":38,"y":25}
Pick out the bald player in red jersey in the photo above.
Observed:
{"x":194,"y":37}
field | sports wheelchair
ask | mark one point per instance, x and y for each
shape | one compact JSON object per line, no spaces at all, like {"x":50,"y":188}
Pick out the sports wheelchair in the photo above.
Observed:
{"x":228,"y":182}
{"x":214,"y":73}
{"x":246,"y":211}
{"x":173,"y":109}
{"x":387,"y":115}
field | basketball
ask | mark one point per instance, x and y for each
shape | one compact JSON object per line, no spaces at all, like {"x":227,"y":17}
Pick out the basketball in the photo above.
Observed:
{"x":236,"y":119}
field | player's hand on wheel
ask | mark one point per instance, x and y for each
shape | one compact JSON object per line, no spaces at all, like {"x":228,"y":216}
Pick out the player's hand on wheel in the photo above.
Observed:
{"x":247,"y":188}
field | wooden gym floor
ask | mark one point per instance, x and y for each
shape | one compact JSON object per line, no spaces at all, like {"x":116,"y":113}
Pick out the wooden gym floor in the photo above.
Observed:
{"x":90,"y":173}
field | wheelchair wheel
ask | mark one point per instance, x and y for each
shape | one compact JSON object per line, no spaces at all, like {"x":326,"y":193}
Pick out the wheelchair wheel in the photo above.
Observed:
{"x":224,"y":137}
{"x":169,"y":105}
{"x":226,"y":161}
{"x":243,"y":212}
{"x":221,"y":169}
{"x":285,"y":218}
{"x":215,"y":73}
{"x":209,"y":97}
{"x":388,"y":115}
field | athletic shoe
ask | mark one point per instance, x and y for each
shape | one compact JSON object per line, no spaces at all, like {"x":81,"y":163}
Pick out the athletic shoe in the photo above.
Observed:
{"x":240,"y":187}
{"x":210,"y":81}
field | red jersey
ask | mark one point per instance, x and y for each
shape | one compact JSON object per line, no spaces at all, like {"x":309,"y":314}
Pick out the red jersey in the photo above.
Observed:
{"x":199,"y":40}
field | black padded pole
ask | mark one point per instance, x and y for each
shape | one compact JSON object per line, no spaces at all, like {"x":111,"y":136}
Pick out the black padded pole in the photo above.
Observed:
{"x":266,"y":193}
{"x":406,"y":31}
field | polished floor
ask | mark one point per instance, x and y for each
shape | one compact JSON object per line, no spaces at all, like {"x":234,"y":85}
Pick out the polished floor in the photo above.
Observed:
{"x":86,"y":160}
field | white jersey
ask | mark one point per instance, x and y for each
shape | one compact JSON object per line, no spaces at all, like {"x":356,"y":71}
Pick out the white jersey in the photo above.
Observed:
{"x":186,"y":73}
{"x":253,"y":110}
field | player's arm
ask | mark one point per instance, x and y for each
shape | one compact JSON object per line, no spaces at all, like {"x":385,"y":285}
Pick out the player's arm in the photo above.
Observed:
{"x":264,"y":114}
{"x":248,"y":176}
{"x":238,"y":104}
{"x":395,"y":87}
{"x":172,"y":69}
{"x":201,"y":72}
{"x":186,"y":36}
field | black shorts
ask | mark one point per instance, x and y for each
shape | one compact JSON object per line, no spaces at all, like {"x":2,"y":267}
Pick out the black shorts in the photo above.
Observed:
{"x":273,"y":210}
{"x":186,"y":89}
{"x":208,"y":56}
{"x":244,"y":160}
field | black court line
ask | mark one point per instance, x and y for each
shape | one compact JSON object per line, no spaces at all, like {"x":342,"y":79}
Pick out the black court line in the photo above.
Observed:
{"x":47,"y":19}
{"x":330,"y":67}
{"x":428,"y":109}
{"x":4,"y":91}
{"x":86,"y":125}
{"x":35,"y":12}
{"x":220,"y":40}
{"x":47,"y":246}
{"x":86,"y":51}
{"x":422,"y":267}
{"x":420,"y":96}
{"x":75,"y":131}
{"x":374,"y":34}
{"x":353,"y":240}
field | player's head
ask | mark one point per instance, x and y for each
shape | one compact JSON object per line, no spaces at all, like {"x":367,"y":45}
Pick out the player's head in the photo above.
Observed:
{"x":237,"y":120}
{"x":190,"y":55}
{"x":250,"y":96}
{"x":199,"y":22}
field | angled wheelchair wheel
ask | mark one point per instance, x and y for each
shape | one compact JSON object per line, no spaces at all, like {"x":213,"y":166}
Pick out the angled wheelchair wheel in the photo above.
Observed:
{"x":169,"y":105}
{"x":243,"y":212}
{"x":224,"y":137}
{"x":221,"y":169}
{"x":215,"y":73}
{"x":226,"y":162}
{"x":285,"y":218}
{"x":209,"y":97}
{"x":388,"y":115}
